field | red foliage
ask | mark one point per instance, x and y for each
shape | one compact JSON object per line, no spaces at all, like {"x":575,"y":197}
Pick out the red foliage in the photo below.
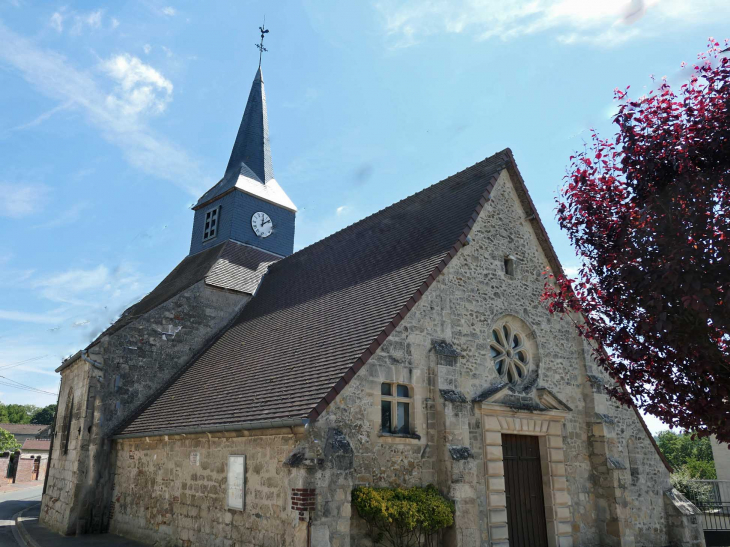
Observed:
{"x":649,"y":215}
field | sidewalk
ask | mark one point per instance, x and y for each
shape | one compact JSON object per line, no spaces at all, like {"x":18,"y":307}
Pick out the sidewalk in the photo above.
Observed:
{"x":10,"y":487}
{"x":33,"y":534}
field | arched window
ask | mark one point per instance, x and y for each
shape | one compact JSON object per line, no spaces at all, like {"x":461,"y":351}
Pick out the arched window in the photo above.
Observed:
{"x":67,"y":419}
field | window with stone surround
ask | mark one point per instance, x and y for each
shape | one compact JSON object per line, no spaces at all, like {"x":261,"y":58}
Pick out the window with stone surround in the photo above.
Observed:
{"x":210,"y":230}
{"x":395,"y":408}
{"x":509,"y":353}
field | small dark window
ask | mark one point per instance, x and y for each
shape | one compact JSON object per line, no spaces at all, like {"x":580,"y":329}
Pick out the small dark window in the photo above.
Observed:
{"x":67,"y":420}
{"x":395,"y":408}
{"x":210,"y":230}
{"x":509,"y":265}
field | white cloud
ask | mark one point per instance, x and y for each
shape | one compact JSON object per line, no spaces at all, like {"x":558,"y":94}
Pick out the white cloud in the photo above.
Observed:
{"x":91,"y":20}
{"x":57,"y":21}
{"x":169,"y":11}
{"x":67,"y":216}
{"x":54,"y":76}
{"x":20,"y":200}
{"x":167,"y":51}
{"x":147,"y":48}
{"x":43,"y":117}
{"x":115,"y":22}
{"x":342,"y":209}
{"x":86,"y":287}
{"x":67,"y":286}
{"x":41,"y":318}
{"x":141,"y":87}
{"x":602,"y":22}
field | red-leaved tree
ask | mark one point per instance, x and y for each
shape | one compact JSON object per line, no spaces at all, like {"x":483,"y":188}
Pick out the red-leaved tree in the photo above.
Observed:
{"x":649,"y":216}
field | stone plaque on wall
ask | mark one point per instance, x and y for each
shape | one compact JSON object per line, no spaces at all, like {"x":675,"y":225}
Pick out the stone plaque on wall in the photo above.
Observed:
{"x":236,"y":482}
{"x":195,"y":458}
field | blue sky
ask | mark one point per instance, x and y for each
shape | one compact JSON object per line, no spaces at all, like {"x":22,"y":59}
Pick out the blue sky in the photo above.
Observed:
{"x":117,"y":116}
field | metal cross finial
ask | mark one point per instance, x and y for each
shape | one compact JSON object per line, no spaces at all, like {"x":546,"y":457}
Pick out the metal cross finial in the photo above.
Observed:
{"x":260,"y":46}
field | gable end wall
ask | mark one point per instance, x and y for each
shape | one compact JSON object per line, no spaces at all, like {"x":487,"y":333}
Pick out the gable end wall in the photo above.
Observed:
{"x":135,"y":361}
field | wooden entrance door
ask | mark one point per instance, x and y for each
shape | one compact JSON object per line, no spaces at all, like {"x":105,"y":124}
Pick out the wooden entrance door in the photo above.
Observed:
{"x":523,"y":485}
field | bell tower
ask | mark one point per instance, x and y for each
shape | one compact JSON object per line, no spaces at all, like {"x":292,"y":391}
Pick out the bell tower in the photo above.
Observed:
{"x":247,"y":205}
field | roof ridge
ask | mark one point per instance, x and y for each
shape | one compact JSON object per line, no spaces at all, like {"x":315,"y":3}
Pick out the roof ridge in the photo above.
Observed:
{"x":284,"y":298}
{"x":500,"y":154}
{"x":380,"y":339}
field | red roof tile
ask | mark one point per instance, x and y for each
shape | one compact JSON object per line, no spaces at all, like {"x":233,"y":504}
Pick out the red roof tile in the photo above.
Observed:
{"x":36,"y":444}
{"x":24,"y":429}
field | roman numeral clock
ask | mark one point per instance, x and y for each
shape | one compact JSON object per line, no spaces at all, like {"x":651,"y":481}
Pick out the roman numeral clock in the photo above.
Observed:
{"x":261,"y":224}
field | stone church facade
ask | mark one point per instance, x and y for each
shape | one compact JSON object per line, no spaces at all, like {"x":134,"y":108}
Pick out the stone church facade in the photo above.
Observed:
{"x":410,"y":348}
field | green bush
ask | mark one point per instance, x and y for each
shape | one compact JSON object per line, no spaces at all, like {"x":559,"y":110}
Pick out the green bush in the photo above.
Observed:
{"x":696,"y":491}
{"x":403,"y":517}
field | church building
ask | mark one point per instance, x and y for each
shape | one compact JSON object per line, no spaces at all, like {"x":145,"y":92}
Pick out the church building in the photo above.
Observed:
{"x":241,"y":401}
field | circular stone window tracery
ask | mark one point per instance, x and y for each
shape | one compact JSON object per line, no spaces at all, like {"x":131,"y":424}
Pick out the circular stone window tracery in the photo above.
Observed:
{"x":510,"y":353}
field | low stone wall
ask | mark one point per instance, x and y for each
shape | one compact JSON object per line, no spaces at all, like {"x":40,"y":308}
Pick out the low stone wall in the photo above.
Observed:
{"x":174,"y":490}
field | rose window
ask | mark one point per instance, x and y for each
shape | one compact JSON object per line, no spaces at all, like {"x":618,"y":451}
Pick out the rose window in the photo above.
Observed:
{"x":510,"y":356}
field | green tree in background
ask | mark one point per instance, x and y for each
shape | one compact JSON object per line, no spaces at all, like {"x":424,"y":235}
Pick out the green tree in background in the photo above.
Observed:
{"x":8,"y":442}
{"x":20,"y":414}
{"x":4,"y":418}
{"x":691,"y":457}
{"x":44,"y":416}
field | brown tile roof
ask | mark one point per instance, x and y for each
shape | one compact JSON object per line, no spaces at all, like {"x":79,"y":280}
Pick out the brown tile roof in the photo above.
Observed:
{"x":320,"y":313}
{"x":24,"y":429}
{"x":230,"y":265}
{"x":36,"y":444}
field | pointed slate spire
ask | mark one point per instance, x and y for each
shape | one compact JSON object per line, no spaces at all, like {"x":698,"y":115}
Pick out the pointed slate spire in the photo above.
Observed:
{"x":251,"y":151}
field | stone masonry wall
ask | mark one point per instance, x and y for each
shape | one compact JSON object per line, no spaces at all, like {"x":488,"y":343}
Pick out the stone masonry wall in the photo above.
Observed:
{"x":460,"y":308}
{"x":57,"y":510}
{"x":173,"y":491}
{"x":345,"y":447}
{"x":133,"y":363}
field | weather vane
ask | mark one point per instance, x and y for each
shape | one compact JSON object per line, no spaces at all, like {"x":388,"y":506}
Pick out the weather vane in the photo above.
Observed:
{"x":260,"y":46}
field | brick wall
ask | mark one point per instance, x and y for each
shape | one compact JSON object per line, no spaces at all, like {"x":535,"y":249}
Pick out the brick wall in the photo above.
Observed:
{"x":303,"y":501}
{"x":25,"y":470}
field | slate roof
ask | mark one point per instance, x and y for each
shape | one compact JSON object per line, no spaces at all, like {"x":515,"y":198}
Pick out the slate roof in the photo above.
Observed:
{"x":320,"y":313}
{"x":230,"y":265}
{"x":25,"y":429}
{"x":37,"y":444}
{"x":250,"y":168}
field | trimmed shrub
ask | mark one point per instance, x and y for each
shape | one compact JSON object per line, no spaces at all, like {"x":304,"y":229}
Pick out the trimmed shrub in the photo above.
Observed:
{"x":403,"y":517}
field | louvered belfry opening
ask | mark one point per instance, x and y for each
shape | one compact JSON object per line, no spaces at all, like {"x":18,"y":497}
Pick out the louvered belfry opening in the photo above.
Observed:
{"x":523,"y":486}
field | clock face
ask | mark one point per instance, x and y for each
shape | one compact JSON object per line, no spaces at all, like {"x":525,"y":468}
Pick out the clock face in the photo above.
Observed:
{"x":261,"y":224}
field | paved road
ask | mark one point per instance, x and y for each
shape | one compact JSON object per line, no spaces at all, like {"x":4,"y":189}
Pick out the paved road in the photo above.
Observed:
{"x":11,"y":503}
